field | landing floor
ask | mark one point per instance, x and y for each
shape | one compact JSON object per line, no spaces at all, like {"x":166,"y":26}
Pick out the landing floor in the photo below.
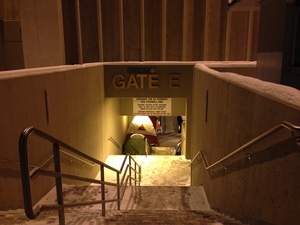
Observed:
{"x":158,"y":170}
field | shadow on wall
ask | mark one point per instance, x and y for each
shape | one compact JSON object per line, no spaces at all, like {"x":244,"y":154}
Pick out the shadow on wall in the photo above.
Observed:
{"x":243,"y":160}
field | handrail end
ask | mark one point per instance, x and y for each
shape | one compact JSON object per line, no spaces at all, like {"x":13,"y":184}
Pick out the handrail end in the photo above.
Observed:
{"x":27,"y":131}
{"x":32,"y":213}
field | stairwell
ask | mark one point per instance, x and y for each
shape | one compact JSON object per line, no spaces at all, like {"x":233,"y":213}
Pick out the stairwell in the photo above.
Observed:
{"x":164,"y":197}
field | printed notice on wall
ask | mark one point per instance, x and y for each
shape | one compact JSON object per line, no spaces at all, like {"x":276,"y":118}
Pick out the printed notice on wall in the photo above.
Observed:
{"x":152,"y":106}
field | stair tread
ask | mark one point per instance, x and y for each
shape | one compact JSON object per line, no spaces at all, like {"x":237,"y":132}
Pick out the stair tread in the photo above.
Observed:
{"x":165,"y":197}
{"x":163,"y":217}
{"x":158,"y":203}
{"x":86,"y":216}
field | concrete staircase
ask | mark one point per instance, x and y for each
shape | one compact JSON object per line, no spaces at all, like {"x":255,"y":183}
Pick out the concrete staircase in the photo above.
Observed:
{"x":141,"y":206}
{"x":168,"y":201}
{"x":139,"y":217}
{"x":160,"y":203}
{"x":163,"y":198}
{"x":155,"y":205}
{"x":166,"y":205}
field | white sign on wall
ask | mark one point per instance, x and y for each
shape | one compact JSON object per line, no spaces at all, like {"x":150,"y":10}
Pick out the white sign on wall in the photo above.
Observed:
{"x":152,"y":106}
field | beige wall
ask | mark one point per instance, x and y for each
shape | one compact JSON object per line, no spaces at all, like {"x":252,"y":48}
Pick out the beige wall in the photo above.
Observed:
{"x":230,"y":110}
{"x":245,"y":68}
{"x":242,"y":33}
{"x":42,"y":33}
{"x":114,"y":125}
{"x":11,"y":49}
{"x":74,"y":32}
{"x":271,"y":50}
{"x":9,"y":10}
{"x":78,"y":114}
{"x":276,"y":61}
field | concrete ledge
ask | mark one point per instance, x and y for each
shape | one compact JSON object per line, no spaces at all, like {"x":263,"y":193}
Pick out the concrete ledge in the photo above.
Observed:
{"x":277,"y":92}
{"x":43,"y":70}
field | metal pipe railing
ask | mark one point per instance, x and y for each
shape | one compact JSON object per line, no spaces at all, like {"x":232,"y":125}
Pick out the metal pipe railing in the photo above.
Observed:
{"x":26,"y":175}
{"x":195,"y":157}
{"x":114,"y":142}
{"x":33,"y":167}
{"x":79,"y":159}
{"x":284,"y":124}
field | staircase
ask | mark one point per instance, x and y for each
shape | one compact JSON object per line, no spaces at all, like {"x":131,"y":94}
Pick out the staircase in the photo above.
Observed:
{"x":166,"y":199}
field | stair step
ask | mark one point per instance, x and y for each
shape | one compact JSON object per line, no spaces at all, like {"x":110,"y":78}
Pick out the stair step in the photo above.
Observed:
{"x":86,"y":216}
{"x":141,"y":205}
{"x":143,"y":197}
{"x":164,"y":198}
{"x":139,"y":217}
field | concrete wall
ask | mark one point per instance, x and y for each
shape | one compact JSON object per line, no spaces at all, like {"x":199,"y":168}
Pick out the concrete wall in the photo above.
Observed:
{"x":9,"y":10}
{"x":114,"y":125}
{"x":245,"y":68}
{"x":74,"y":32}
{"x":276,"y":61}
{"x":270,"y":50}
{"x":42,"y":33}
{"x":229,"y":110}
{"x":76,"y":113}
{"x":11,"y":49}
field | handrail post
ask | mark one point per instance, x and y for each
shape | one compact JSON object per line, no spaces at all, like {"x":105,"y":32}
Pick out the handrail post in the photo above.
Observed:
{"x":140,"y":175}
{"x":130,"y":171}
{"x":135,"y":174}
{"x":58,"y":181}
{"x":26,"y":187}
{"x":118,"y":191}
{"x":102,"y":190}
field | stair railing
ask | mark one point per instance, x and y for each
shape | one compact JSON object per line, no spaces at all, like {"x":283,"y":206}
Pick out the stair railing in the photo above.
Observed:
{"x":114,"y":142}
{"x":295,"y":130}
{"x":195,"y":157}
{"x":27,"y":175}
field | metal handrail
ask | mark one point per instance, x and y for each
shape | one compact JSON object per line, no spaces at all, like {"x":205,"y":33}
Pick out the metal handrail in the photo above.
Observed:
{"x":195,"y":157}
{"x":34,"y":168}
{"x":26,"y":175}
{"x":15,"y":163}
{"x":114,"y":142}
{"x":79,"y":159}
{"x":284,"y":124}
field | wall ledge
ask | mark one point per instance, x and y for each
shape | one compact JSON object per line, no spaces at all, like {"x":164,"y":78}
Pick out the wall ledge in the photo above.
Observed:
{"x":12,"y":74}
{"x":281,"y":93}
